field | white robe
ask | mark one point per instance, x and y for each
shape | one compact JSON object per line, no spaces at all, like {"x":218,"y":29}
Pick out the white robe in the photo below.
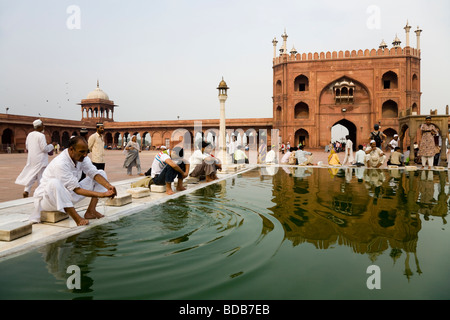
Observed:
{"x":349,"y":159}
{"x":271,"y":157}
{"x":60,"y":178}
{"x":37,"y":160}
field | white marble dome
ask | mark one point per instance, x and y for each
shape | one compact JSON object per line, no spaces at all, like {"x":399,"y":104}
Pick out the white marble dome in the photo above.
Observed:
{"x":97,"y":94}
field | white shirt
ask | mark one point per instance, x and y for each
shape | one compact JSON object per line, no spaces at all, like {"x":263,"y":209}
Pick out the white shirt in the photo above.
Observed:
{"x":239,"y":155}
{"x":271,"y":157}
{"x":285,"y":158}
{"x":66,"y":171}
{"x":37,"y":159}
{"x":159,"y":163}
{"x":197,"y":157}
{"x":393,"y":144}
{"x":232,"y":146}
{"x":360,"y":156}
{"x":97,"y":148}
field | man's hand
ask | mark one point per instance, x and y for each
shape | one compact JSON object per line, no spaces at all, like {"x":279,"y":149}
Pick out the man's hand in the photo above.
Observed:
{"x":112,"y":192}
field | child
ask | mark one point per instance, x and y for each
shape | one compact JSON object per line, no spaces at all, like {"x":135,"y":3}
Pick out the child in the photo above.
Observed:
{"x":360,"y":156}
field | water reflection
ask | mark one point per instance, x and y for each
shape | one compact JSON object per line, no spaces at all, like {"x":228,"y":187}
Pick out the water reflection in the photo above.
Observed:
{"x":80,"y":250}
{"x":373,"y":211}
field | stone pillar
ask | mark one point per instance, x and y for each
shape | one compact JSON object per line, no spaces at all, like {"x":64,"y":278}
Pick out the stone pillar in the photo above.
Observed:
{"x":418,"y":32}
{"x":222,"y":129}
{"x":274,"y":42}
{"x":407,"y":29}
{"x":284,"y":36}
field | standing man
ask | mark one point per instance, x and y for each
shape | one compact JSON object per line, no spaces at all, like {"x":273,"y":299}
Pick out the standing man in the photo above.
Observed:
{"x":377,"y":136}
{"x":394,"y":143}
{"x":60,"y":188}
{"x":97,"y":147}
{"x":348,"y":160}
{"x":37,"y":160}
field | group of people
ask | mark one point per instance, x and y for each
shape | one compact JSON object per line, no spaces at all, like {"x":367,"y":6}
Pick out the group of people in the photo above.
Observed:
{"x":72,"y":176}
{"x":372,"y":156}
{"x":69,"y":178}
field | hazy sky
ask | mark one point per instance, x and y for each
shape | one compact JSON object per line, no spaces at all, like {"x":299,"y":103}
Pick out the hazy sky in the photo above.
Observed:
{"x":161,"y":59}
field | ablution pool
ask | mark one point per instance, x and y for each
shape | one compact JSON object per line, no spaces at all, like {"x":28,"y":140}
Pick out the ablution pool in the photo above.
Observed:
{"x":275,"y":233}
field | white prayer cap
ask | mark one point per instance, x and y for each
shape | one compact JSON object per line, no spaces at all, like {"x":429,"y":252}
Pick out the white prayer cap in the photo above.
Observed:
{"x":163,"y":147}
{"x":37,"y":123}
{"x":395,"y":135}
{"x":372,"y":141}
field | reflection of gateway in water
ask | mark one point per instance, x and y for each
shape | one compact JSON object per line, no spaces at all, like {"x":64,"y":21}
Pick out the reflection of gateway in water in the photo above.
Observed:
{"x":341,"y":211}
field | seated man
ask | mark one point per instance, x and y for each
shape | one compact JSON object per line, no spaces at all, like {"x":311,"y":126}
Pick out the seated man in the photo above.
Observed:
{"x":285,"y":159}
{"x":60,"y":188}
{"x":205,"y":165}
{"x":165,"y":168}
{"x":360,"y":157}
{"x":271,"y":157}
{"x":374,"y":156}
{"x":240,"y":156}
{"x":303,"y":157}
{"x":396,"y":158}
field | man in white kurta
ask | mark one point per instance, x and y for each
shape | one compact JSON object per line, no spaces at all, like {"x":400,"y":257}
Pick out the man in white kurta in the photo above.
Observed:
{"x":374,"y":156}
{"x":37,"y":159}
{"x":97,"y":147}
{"x":348,"y":160}
{"x":60,"y":187}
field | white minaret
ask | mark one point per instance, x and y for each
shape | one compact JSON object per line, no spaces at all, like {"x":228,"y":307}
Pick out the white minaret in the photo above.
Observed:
{"x":396,"y":43}
{"x":407,"y":29}
{"x":418,"y":32}
{"x":274,"y":42}
{"x":284,"y":36}
{"x":293,"y":50}
{"x":223,"y":138}
{"x":383,"y":45}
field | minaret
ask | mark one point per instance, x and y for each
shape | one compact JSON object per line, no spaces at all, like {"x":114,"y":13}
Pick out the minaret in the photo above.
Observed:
{"x":396,"y":43}
{"x":383,"y":45}
{"x":222,"y":126}
{"x":407,"y":29}
{"x":293,"y":50}
{"x":274,"y":42}
{"x":284,"y":36}
{"x":418,"y":32}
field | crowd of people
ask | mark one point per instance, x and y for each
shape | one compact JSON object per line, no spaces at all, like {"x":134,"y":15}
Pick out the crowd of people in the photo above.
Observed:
{"x":72,"y":175}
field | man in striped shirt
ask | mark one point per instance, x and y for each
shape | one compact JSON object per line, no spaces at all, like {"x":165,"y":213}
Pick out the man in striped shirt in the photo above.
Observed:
{"x":165,"y":168}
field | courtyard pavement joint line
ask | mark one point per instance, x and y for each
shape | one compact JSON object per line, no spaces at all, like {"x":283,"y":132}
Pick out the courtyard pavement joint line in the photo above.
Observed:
{"x":67,"y":228}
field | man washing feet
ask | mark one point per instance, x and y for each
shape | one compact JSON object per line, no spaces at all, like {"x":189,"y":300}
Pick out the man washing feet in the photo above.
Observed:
{"x":60,"y":187}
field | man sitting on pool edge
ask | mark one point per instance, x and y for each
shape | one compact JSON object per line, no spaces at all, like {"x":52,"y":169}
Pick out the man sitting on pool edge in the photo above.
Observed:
{"x":166,"y":168}
{"x":60,"y":187}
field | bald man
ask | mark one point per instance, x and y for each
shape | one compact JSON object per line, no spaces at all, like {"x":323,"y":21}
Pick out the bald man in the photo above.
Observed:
{"x":60,"y":187}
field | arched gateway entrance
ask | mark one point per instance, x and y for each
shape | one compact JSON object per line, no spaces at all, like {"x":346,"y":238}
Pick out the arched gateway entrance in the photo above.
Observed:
{"x":352,"y":132}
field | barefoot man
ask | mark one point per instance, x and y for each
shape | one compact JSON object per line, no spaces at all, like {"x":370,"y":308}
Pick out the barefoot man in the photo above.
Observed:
{"x":60,"y":187}
{"x":166,"y":168}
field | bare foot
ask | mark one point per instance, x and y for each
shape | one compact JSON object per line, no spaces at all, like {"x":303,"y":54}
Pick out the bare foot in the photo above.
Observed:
{"x":169,"y":191}
{"x":25,"y":194}
{"x":93,"y":215}
{"x":181,"y":188}
{"x":82,"y":222}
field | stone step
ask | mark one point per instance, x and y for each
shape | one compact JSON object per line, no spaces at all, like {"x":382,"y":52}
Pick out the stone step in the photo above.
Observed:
{"x":160,"y":189}
{"x":53,"y":216}
{"x":14,"y":230}
{"x":119,"y":201}
{"x":139,"y":192}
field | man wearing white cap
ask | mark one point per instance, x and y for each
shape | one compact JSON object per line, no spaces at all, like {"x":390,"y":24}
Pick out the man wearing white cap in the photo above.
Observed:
{"x":374,"y":156}
{"x":394,"y":143}
{"x":37,"y":160}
